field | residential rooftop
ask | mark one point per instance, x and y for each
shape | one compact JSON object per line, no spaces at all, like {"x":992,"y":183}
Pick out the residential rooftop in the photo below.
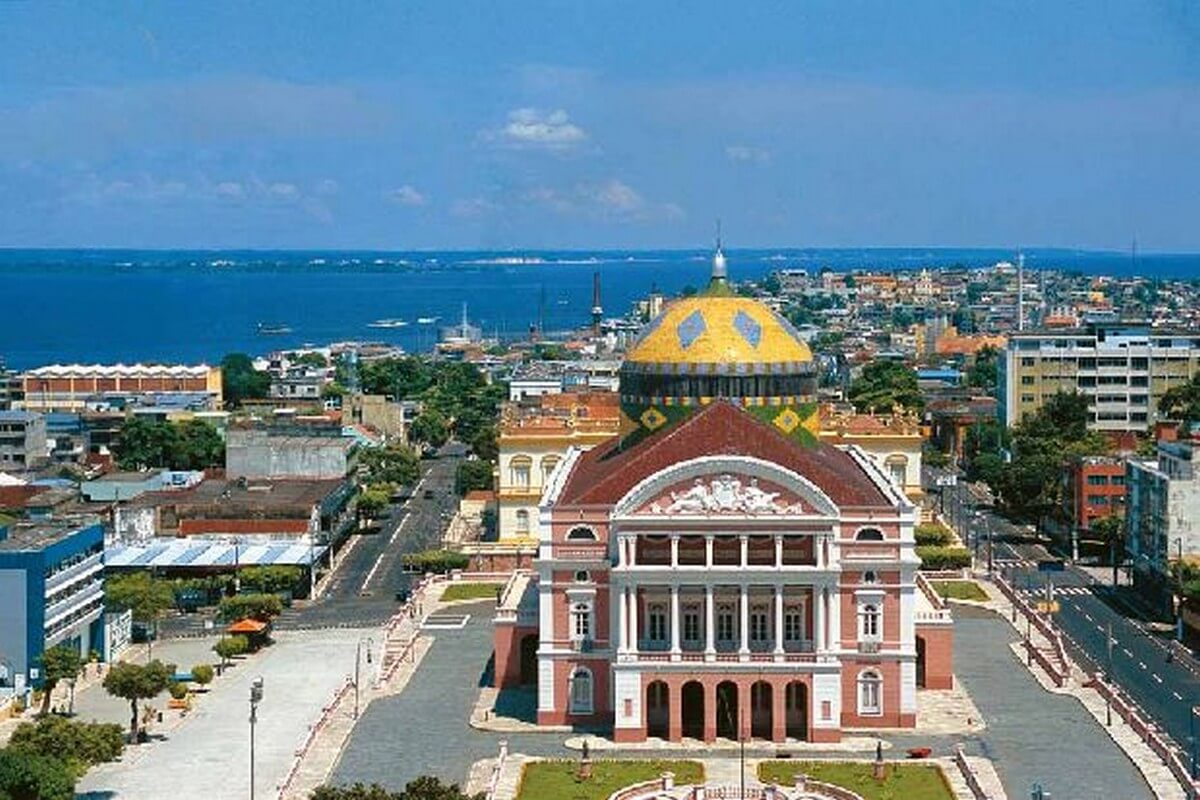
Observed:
{"x":36,"y":536}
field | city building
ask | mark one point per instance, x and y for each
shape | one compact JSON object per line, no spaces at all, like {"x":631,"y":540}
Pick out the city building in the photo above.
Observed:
{"x":716,"y":571}
{"x":893,"y":441}
{"x":121,"y":487}
{"x":51,"y":593}
{"x":534,"y":437}
{"x":537,"y":378}
{"x":288,"y":448}
{"x":75,"y":387}
{"x":1094,"y":488}
{"x":1162,"y":518}
{"x":22,"y":441}
{"x":380,"y":413}
{"x":1123,"y":368}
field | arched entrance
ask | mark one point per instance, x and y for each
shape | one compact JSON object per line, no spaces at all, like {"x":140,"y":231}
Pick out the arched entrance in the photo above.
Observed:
{"x":796,"y":711}
{"x":920,"y":662}
{"x":658,"y":709}
{"x":529,"y":667}
{"x":760,"y":710}
{"x":691,"y":707}
{"x":727,"y":710}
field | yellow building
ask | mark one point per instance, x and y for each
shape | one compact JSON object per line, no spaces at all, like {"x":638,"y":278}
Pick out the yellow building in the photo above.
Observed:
{"x":893,"y":441}
{"x":533,"y":440}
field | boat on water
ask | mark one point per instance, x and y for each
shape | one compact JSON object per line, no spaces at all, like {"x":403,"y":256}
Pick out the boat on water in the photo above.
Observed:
{"x":426,"y":320}
{"x":387,"y":323}
{"x":273,"y":330}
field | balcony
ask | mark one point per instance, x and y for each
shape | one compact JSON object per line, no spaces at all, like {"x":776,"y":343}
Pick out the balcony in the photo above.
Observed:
{"x":579,"y":551}
{"x":874,"y":551}
{"x":93,"y":563}
{"x":63,"y":608}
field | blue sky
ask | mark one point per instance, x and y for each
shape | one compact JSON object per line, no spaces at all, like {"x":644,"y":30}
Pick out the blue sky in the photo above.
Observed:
{"x":616,"y":124}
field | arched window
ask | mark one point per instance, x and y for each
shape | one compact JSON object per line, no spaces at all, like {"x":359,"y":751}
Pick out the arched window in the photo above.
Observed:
{"x":581,"y":534}
{"x":522,"y":521}
{"x":518,"y":470}
{"x":548,"y":465}
{"x":870,"y":694}
{"x":870,"y":578}
{"x":869,"y":535}
{"x":581,"y":691}
{"x":581,"y":622}
{"x":869,"y":626}
{"x":897,"y":470}
{"x":582,"y":576}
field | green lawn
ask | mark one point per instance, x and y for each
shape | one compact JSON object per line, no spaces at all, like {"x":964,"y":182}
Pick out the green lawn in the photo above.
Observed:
{"x":555,"y":780}
{"x":905,"y":780}
{"x":960,"y":590}
{"x":471,"y":591}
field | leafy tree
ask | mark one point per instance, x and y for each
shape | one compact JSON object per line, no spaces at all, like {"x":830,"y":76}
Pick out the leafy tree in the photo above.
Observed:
{"x":982,"y":373}
{"x":486,"y":442}
{"x":32,"y":776}
{"x":229,"y":646}
{"x":400,"y":378}
{"x":200,"y":446}
{"x":473,"y":474}
{"x":884,"y":385}
{"x":1182,"y":403}
{"x":177,"y":690}
{"x":194,"y":444}
{"x":61,"y":663}
{"x":202,"y":674}
{"x":430,"y":428}
{"x":136,"y":682}
{"x":271,"y":579}
{"x":1111,"y":531}
{"x":371,"y":503}
{"x":140,"y":593}
{"x":261,"y":607}
{"x":78,"y":744}
{"x":310,"y":359}
{"x":390,"y":465}
{"x":241,"y":381}
{"x":422,"y":788}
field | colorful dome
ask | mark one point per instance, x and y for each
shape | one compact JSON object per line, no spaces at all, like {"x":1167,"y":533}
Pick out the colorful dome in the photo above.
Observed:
{"x":709,"y":334}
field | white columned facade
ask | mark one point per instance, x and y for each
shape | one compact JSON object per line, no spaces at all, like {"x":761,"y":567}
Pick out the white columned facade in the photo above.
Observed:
{"x":710,"y":642}
{"x":675,"y":649}
{"x":708,"y":551}
{"x":634,"y":645}
{"x":745,"y":540}
{"x":623,"y":620}
{"x":819,"y":617}
{"x":778,"y":550}
{"x":674,"y":550}
{"x":778,"y":618}
{"x":745,"y":615}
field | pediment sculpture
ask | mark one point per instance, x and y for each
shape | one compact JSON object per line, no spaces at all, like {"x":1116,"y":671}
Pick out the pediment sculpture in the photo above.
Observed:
{"x":725,"y":494}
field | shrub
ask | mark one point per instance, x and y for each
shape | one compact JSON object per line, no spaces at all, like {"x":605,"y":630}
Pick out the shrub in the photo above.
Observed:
{"x":270,"y":580}
{"x":177,"y":690}
{"x":202,"y":674}
{"x":77,"y":743}
{"x":938,"y":558}
{"x":931,"y":533}
{"x":229,"y":646}
{"x":257,"y":606}
{"x":437,"y":561}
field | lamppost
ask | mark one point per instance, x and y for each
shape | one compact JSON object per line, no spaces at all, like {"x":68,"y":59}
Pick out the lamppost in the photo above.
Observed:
{"x":1178,"y":604}
{"x":256,"y":696}
{"x":357,"y":665}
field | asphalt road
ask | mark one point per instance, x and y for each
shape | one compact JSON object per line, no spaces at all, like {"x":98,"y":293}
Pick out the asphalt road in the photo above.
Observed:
{"x":1158,"y":674}
{"x":363,"y":588}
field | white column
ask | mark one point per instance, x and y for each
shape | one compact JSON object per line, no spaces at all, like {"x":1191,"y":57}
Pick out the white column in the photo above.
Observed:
{"x":710,"y":633}
{"x":819,"y":617}
{"x":633,"y":619}
{"x":674,"y":550}
{"x":778,"y":550}
{"x":745,"y":549}
{"x":779,"y":619}
{"x":622,"y":561}
{"x":631,"y":543}
{"x":623,"y":620}
{"x":708,"y":551}
{"x":745,"y":606}
{"x":675,"y":649}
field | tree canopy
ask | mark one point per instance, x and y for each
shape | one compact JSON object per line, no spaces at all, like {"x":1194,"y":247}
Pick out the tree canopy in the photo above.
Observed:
{"x":884,"y":385}
{"x":26,"y":775}
{"x":1182,"y":402}
{"x":145,"y":443}
{"x":422,"y":788}
{"x":473,"y":474}
{"x":136,"y":682}
{"x":241,"y":381}
{"x":77,"y":744}
{"x":398,"y":465}
{"x":982,"y":372}
{"x":60,"y":663}
{"x":140,"y":593}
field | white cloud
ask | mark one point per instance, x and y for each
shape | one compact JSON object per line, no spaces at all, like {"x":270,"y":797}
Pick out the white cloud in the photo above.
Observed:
{"x":230,"y":189}
{"x":534,"y":129}
{"x":747,"y":153}
{"x":328,"y":186}
{"x":612,"y":200}
{"x":619,"y":197}
{"x":406,"y":195}
{"x":283,"y":191}
{"x":473,"y":207}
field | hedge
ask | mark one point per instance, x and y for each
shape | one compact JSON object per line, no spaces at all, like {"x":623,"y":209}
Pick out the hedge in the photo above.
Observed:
{"x":937,"y":558}
{"x":931,"y":534}
{"x":436,"y":561}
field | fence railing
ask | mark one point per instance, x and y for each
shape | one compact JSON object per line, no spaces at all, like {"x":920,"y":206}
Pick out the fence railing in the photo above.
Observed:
{"x":1059,"y":672}
{"x":494,"y":780}
{"x":327,"y":713}
{"x":969,"y":775}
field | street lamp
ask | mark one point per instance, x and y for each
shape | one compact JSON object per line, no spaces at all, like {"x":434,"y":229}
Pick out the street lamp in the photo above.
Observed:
{"x":357,"y":665}
{"x":256,"y":696}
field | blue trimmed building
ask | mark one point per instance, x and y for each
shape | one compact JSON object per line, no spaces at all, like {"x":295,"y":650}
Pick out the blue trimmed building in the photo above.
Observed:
{"x":51,"y":593}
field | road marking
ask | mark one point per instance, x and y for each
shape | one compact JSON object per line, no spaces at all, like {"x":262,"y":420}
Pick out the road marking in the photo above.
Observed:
{"x":1142,"y":664}
{"x":1155,"y":676}
{"x":1125,"y":650}
{"x":1086,"y":615}
{"x":1177,"y":695}
{"x":407,"y":516}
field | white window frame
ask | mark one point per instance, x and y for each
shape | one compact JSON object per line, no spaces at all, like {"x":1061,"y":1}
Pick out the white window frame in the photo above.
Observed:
{"x":522,"y":517}
{"x":657,"y":625}
{"x":760,"y":625}
{"x":581,"y":700}
{"x":870,"y":621}
{"x":691,"y":627}
{"x":726,"y":619}
{"x":581,"y":622}
{"x":870,"y":694}
{"x":795,"y":627}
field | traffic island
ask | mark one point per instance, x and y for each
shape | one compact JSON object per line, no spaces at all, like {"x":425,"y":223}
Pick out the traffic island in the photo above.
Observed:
{"x":901,"y":779}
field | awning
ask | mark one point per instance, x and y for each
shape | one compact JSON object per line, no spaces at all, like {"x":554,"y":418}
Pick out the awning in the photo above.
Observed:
{"x":191,"y":554}
{"x":247,"y":626}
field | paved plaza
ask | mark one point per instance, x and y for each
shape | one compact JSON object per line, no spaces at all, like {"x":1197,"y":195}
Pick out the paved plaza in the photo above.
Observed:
{"x":1031,"y":735}
{"x":205,"y":756}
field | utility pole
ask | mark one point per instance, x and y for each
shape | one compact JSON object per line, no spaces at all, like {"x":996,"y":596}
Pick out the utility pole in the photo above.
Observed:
{"x":256,"y":695}
{"x":1108,"y":647}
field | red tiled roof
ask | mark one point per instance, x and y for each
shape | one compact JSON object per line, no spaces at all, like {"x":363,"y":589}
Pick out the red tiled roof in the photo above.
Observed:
{"x":197,"y":527}
{"x":605,"y":474}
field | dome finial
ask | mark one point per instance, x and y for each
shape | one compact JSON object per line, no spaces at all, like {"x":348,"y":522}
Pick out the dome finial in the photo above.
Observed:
{"x":719,"y":273}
